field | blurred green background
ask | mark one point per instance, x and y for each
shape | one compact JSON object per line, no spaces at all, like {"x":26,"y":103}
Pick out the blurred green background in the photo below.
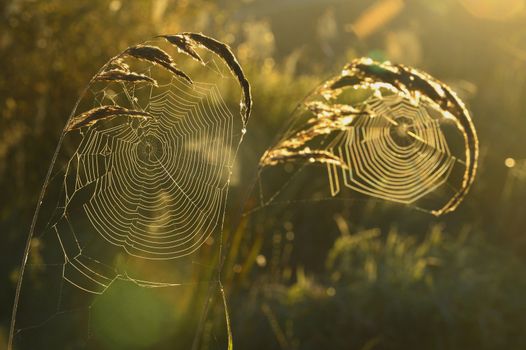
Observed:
{"x":374,"y":276}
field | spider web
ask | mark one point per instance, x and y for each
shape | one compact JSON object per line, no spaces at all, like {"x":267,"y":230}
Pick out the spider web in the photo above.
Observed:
{"x":137,"y":189}
{"x":400,"y":155}
{"x":383,"y":131}
{"x":165,"y":180}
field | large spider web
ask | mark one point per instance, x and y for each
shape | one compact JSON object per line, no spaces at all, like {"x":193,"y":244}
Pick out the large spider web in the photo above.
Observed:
{"x":137,"y":189}
{"x":380,"y":130}
{"x":164,"y":180}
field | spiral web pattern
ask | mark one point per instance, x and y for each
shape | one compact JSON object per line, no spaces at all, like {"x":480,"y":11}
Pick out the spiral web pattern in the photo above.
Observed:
{"x":149,"y":177}
{"x":399,"y":153}
{"x":384,"y":130}
{"x":164,"y":179}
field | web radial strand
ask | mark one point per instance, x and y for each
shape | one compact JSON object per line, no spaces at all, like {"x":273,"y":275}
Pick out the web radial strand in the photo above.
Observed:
{"x":385,"y":131}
